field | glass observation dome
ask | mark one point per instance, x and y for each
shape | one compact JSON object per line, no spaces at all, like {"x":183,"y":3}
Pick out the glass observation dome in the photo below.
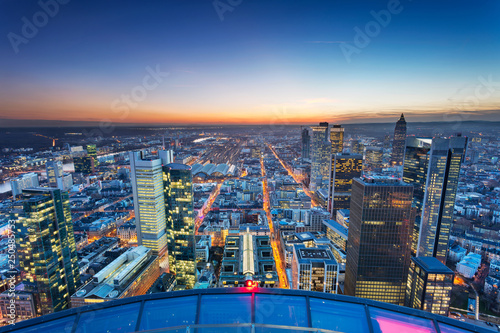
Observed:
{"x":242,"y":310}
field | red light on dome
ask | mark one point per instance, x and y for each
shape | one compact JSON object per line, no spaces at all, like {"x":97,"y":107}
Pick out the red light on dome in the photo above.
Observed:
{"x":250,"y":284}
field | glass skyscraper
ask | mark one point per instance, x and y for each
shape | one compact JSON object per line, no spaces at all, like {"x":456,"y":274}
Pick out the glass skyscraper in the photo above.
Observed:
{"x":54,"y":170}
{"x":149,"y":201}
{"x":178,"y":187}
{"x":320,"y":157}
{"x":398,"y":144}
{"x":337,"y":139}
{"x":379,"y":239}
{"x":306,"y":144}
{"x":429,"y":285}
{"x":433,"y":167}
{"x":46,"y":247}
{"x":344,"y":167}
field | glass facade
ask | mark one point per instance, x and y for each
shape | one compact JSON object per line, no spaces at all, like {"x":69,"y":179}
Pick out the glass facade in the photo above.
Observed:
{"x":429,"y":285}
{"x":337,"y":139}
{"x":149,"y":202}
{"x":439,"y":198}
{"x":379,"y":239}
{"x":398,"y":144}
{"x":344,"y":168}
{"x":46,"y":248}
{"x":178,"y":194}
{"x":306,"y":144}
{"x":320,"y":157}
{"x":242,"y":310}
{"x":84,"y":164}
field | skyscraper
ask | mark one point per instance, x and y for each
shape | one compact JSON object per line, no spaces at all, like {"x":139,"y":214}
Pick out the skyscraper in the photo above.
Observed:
{"x":344,"y":168}
{"x":379,"y":239}
{"x":84,"y":164}
{"x":429,"y":285}
{"x":46,"y":247}
{"x":314,"y":268}
{"x":398,"y":144}
{"x":337,"y":139}
{"x":54,"y":170}
{"x":178,"y":187}
{"x":149,"y":201}
{"x":439,"y":165}
{"x":320,"y":157}
{"x":306,"y":144}
{"x":23,"y":181}
{"x":92,"y":152}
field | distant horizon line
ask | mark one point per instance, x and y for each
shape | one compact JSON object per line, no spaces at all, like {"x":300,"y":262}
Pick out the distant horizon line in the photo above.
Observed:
{"x":75,"y":124}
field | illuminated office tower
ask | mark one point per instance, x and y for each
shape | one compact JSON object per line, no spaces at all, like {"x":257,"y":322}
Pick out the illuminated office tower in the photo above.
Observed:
{"x":320,"y":157}
{"x":46,"y":247}
{"x":92,"y":152}
{"x":415,"y":170}
{"x":337,"y":139}
{"x":306,"y":144}
{"x":54,"y":170}
{"x":344,"y":168}
{"x":23,"y":181}
{"x":178,"y":187}
{"x":314,"y":268}
{"x":379,"y":239}
{"x":429,"y":285}
{"x":149,"y":201}
{"x":84,"y":165}
{"x":437,"y":163}
{"x":398,"y":144}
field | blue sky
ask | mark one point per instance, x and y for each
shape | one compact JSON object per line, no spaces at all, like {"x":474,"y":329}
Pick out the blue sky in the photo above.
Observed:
{"x":265,"y":60}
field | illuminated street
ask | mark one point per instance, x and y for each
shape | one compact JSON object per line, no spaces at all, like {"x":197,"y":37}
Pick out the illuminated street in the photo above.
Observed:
{"x":314,"y":202}
{"x":280,"y":266}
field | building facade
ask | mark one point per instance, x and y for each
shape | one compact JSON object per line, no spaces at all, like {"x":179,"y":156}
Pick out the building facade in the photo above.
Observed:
{"x":46,"y":247}
{"x":306,"y":144}
{"x":149,"y":202}
{"x":314,"y":269}
{"x":337,"y":139}
{"x":320,"y":157}
{"x":379,"y":239}
{"x":437,"y":162}
{"x":398,"y":144}
{"x":22,"y":182}
{"x":343,"y":169}
{"x":178,"y":194}
{"x":429,"y":285}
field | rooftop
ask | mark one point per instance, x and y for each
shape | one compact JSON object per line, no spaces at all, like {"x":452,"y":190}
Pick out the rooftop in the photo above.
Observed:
{"x":243,"y":310}
{"x":431,"y":265}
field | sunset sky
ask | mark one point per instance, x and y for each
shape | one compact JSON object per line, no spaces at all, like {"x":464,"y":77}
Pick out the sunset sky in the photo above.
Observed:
{"x":265,"y":62}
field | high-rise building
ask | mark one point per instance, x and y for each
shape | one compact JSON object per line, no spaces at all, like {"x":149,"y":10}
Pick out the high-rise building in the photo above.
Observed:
{"x":379,"y":239}
{"x":337,"y":138}
{"x":306,"y":144}
{"x":374,"y":158}
{"x":178,"y":187}
{"x":149,"y":201}
{"x":433,"y":166}
{"x":314,"y":269}
{"x":46,"y":247}
{"x":54,"y":170}
{"x":344,"y":167}
{"x":429,"y":285}
{"x":398,"y":144}
{"x":357,"y":148}
{"x":84,"y":164}
{"x":92,"y":152}
{"x":21,"y":182}
{"x":320,"y":157}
